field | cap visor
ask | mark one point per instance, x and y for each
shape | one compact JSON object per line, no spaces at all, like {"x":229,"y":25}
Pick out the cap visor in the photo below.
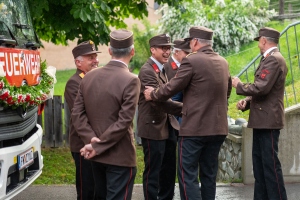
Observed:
{"x":188,"y":39}
{"x":187,"y":50}
{"x":165,"y":44}
{"x":257,"y":38}
{"x":90,"y":52}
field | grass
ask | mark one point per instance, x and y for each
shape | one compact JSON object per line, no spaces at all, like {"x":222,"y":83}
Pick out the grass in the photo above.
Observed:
{"x":59,"y":167}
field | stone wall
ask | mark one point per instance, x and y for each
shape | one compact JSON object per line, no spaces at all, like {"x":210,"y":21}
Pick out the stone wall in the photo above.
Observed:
{"x":230,"y":156}
{"x":235,"y":157}
{"x":230,"y":159}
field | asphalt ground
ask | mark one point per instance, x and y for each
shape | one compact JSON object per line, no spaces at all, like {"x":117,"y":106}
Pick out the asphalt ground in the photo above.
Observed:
{"x":236,"y":191}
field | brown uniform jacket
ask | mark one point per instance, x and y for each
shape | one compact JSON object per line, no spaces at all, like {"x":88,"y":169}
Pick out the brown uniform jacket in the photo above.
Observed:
{"x":267,"y":92}
{"x":152,"y":116}
{"x":70,"y":94}
{"x":205,"y":79}
{"x":170,"y":68}
{"x":104,"y":108}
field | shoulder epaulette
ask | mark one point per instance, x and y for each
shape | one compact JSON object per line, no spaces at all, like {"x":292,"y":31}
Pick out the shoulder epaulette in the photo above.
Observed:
{"x":191,"y":53}
{"x":81,"y":75}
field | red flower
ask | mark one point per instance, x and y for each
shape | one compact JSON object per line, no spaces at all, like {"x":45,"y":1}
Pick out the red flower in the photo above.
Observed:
{"x":4,"y":95}
{"x":10,"y":100}
{"x":44,"y":97}
{"x":1,"y":85}
{"x":27,"y":98}
{"x":20,"y":98}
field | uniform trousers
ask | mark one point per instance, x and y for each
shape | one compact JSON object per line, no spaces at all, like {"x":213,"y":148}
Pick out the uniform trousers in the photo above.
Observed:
{"x":160,"y":167}
{"x":113,"y":182}
{"x":195,"y":152}
{"x":84,"y":177}
{"x":269,"y":183}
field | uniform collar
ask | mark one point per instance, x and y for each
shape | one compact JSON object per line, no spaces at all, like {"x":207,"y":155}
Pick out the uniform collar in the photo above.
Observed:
{"x":176,"y":61}
{"x":268,"y":51}
{"x":159,"y":65}
{"x":120,"y":62}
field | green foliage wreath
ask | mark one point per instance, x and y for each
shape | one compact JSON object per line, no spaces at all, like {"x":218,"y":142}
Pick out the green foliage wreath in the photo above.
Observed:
{"x":25,"y":96}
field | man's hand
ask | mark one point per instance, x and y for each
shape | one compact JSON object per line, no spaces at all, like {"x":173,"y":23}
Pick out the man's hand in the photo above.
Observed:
{"x":235,"y":81}
{"x":94,"y":140}
{"x":87,"y":151}
{"x":147,"y":93}
{"x":241,"y":104}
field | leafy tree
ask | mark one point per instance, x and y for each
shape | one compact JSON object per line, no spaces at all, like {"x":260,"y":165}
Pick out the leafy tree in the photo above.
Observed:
{"x":61,"y":20}
{"x":234,"y":22}
{"x":141,"y":44}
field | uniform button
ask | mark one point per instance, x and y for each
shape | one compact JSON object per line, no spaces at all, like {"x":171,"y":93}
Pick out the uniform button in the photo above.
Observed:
{"x":259,"y":108}
{"x":153,"y":122}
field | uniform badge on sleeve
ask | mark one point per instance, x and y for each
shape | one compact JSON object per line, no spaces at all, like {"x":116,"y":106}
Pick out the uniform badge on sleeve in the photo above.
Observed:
{"x":264,"y":73}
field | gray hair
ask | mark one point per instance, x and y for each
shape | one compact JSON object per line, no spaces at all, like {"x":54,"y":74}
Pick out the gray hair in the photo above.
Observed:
{"x":79,"y":58}
{"x":176,"y":49}
{"x":205,"y":42}
{"x":119,"y":53}
{"x":272,"y":40}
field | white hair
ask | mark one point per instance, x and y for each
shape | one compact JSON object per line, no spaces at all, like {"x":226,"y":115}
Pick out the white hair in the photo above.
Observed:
{"x":203,"y":41}
{"x":176,"y":49}
{"x":79,"y":58}
{"x":119,"y":53}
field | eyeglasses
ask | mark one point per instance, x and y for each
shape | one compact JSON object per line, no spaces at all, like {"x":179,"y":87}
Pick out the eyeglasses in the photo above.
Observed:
{"x":165,"y":48}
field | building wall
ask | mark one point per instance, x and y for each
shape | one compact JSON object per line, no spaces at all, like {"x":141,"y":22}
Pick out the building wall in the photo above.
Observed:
{"x":288,"y":148}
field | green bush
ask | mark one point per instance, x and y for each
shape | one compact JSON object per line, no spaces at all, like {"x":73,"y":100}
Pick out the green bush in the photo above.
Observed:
{"x":235,"y":22}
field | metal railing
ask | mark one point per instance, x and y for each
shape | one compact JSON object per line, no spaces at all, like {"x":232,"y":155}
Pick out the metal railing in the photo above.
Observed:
{"x":289,"y":48}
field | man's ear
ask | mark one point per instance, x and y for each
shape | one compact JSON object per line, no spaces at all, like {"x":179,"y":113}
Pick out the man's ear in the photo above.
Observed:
{"x":109,"y":51}
{"x":77,"y":62}
{"x":152,"y":49}
{"x":132,"y":52}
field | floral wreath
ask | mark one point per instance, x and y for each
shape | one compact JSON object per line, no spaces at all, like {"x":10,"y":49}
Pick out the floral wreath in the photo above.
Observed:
{"x":26,"y":96}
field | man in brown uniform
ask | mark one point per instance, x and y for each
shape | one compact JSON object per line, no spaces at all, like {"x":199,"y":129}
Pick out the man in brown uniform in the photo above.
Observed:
{"x":155,"y":126}
{"x":204,"y":77}
{"x":102,"y":115}
{"x":265,"y":101}
{"x":85,"y":57}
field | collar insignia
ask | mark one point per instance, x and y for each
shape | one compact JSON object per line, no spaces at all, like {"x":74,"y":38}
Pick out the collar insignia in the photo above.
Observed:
{"x":174,"y":66}
{"x":81,"y":75}
{"x":155,"y":67}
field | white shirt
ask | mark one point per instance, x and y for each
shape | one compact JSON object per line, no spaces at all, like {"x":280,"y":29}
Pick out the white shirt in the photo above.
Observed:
{"x":268,"y":51}
{"x":176,"y":62}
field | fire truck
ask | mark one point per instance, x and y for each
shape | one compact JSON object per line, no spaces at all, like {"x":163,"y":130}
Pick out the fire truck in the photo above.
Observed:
{"x":21,"y":161}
